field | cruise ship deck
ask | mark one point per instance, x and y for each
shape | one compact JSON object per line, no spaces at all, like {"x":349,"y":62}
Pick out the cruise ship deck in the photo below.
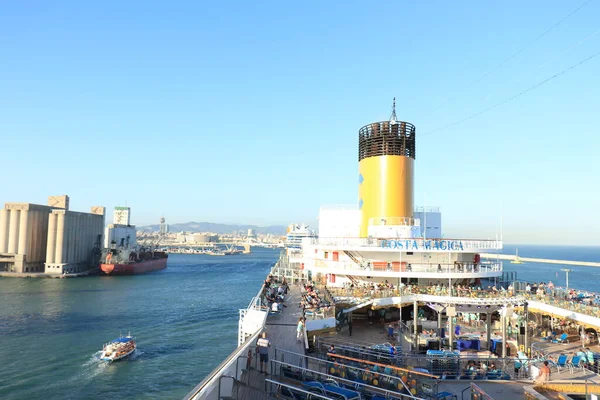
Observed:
{"x":396,"y":310}
{"x":428,"y":373}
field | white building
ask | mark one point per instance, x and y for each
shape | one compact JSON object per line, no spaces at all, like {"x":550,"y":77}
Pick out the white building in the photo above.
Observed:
{"x":122,"y":215}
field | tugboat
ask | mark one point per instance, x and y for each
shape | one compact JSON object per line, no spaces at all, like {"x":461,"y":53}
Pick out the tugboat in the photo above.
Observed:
{"x":119,"y":348}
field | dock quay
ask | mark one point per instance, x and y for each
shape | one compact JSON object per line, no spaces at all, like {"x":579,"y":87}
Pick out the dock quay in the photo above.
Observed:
{"x":91,"y":272}
{"x":511,"y":257}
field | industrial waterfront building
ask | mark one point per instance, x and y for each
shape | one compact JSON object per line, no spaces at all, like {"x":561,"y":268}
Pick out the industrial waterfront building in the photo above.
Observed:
{"x":74,"y":240}
{"x":23,"y":235}
{"x":49,"y":238}
{"x":196,"y":238}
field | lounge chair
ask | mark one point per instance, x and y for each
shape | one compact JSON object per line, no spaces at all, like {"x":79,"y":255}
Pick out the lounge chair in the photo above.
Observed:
{"x":562,"y":339}
{"x":561,"y":362}
{"x":575,"y":363}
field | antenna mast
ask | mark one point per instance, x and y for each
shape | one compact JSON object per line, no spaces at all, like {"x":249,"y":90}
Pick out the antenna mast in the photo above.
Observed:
{"x":393,"y":117}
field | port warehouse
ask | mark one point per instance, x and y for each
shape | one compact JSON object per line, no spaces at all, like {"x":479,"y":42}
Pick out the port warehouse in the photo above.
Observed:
{"x":49,"y":239}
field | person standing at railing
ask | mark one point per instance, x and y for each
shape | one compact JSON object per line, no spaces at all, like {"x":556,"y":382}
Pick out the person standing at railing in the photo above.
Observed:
{"x":262,"y":348}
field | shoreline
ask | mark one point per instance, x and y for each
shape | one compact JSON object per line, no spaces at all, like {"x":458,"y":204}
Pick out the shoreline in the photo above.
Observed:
{"x":91,"y":272}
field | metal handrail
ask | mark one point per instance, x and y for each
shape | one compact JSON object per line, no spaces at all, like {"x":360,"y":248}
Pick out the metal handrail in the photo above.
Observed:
{"x":482,"y":392}
{"x":407,"y":267}
{"x":318,"y":361}
{"x":421,"y":290}
{"x":351,"y":382}
{"x":215,"y":373}
{"x":220,"y":379}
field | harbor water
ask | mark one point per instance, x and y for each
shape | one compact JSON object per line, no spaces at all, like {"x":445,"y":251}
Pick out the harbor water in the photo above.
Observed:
{"x":184,"y":319}
{"x":585,"y":278}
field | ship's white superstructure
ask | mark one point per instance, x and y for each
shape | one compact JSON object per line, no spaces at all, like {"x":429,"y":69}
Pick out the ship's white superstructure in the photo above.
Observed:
{"x":396,"y":250}
{"x":296,"y":233}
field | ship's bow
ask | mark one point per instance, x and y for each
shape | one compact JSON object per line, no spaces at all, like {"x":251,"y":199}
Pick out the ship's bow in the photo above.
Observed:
{"x":107,"y":268}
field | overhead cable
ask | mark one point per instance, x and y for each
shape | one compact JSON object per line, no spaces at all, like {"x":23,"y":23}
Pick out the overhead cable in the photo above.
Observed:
{"x":529,"y":89}
{"x":515,"y":54}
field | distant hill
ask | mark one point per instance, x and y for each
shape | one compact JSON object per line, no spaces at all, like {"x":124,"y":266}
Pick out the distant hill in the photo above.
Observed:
{"x":217,"y":228}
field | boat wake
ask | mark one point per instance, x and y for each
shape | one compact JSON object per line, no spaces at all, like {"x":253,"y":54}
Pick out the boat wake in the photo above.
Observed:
{"x":93,"y":367}
{"x":135,"y":355}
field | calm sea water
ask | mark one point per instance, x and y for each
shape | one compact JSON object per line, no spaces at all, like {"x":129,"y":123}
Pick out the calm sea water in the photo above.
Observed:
{"x":586,"y":278}
{"x":184,"y":318}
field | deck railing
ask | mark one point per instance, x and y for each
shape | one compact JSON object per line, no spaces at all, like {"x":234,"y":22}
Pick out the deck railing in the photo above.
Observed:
{"x":454,"y":268}
{"x":586,"y":304}
{"x":582,"y":302}
{"x":445,"y":365}
{"x":415,"y":244}
{"x":412,"y":290}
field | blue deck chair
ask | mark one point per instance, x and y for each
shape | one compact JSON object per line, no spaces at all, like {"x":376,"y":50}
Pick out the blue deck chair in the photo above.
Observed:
{"x":575,"y":363}
{"x":562,"y":339}
{"x":561,"y":362}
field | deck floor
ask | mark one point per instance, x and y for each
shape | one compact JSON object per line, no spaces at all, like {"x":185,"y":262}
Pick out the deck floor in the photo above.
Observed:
{"x":281,"y":332}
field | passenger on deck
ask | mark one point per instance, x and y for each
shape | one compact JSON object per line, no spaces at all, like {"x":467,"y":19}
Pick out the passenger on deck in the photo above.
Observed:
{"x":544,"y":374}
{"x":391,"y":331}
{"x":262,"y":348}
{"x":300,"y":329}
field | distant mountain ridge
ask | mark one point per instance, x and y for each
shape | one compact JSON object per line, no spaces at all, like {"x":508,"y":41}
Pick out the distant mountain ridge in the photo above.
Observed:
{"x":279,"y":230}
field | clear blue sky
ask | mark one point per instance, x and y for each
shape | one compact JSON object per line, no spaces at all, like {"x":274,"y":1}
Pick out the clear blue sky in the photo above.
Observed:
{"x":248,"y":112}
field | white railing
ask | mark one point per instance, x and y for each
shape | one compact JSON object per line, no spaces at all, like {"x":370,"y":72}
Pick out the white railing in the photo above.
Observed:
{"x":420,"y":244}
{"x":255,"y":305}
{"x":457,"y":268}
{"x":208,"y":389}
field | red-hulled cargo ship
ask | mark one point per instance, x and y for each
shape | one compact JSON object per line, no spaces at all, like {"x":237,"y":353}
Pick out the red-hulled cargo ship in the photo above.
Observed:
{"x":135,"y":263}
